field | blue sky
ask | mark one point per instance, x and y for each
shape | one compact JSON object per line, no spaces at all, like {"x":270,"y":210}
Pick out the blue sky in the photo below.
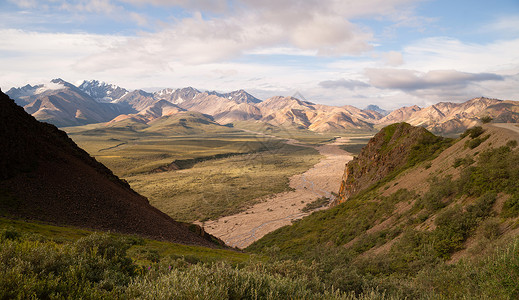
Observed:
{"x":387,"y":52}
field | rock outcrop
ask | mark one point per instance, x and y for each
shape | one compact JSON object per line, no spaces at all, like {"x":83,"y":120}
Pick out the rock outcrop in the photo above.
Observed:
{"x":387,"y":152}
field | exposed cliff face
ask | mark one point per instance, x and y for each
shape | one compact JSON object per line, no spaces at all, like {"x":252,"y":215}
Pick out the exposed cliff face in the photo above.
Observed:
{"x":388,"y":151}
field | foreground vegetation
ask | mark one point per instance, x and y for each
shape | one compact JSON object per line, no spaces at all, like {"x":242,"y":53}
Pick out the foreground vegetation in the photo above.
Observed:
{"x":48,"y":262}
{"x":109,"y":266}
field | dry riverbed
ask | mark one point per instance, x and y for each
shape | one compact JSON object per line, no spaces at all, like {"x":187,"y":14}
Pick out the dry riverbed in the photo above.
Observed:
{"x":242,"y":229}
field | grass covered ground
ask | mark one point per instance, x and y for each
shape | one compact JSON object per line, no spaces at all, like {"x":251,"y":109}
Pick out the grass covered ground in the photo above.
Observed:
{"x":249,"y":165}
{"x":216,"y":188}
{"x":141,"y":251}
{"x":40,"y":261}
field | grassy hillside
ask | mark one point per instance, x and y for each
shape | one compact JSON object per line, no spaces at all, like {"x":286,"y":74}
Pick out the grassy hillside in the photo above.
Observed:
{"x":404,"y":233}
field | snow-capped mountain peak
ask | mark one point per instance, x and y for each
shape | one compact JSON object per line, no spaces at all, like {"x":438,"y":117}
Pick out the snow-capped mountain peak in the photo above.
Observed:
{"x":102,"y":91}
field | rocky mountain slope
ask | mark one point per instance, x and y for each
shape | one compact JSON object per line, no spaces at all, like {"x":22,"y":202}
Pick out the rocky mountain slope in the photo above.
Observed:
{"x":159,"y":109}
{"x":320,"y":118}
{"x":239,"y":96}
{"x":45,"y":176}
{"x":102,"y":91}
{"x":177,"y":96}
{"x":62,"y":104}
{"x":377,"y":109}
{"x":223,"y":110}
{"x":393,"y":148}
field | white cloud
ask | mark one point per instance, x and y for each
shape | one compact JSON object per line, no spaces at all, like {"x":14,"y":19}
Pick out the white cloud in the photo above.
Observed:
{"x":196,"y":40}
{"x":343,"y":83}
{"x":197,"y":5}
{"x":25,"y":3}
{"x":505,"y":25}
{"x":139,"y":18}
{"x":251,"y":26}
{"x":32,"y":56}
{"x":330,"y":35}
{"x":409,"y":80}
{"x":393,"y":58}
{"x":91,"y":6}
{"x":448,"y":53}
{"x":281,"y":51}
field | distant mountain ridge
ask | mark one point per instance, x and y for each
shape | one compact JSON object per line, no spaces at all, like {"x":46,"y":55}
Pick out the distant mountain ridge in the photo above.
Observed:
{"x":447,"y":117}
{"x":64,"y":104}
{"x":376,"y":108}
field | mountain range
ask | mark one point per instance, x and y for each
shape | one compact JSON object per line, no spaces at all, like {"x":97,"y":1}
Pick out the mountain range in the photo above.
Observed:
{"x":63,"y":104}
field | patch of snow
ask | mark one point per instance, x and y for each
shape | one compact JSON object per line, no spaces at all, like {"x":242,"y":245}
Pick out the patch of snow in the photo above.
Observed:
{"x":49,"y":87}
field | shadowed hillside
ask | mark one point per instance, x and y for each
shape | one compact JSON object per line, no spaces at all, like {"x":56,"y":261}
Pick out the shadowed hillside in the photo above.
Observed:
{"x":45,"y":176}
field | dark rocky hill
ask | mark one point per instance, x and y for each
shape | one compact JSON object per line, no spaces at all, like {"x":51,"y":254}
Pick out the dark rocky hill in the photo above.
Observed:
{"x":45,"y":176}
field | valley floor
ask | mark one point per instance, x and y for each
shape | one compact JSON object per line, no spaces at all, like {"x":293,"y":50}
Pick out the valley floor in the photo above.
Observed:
{"x":242,"y":229}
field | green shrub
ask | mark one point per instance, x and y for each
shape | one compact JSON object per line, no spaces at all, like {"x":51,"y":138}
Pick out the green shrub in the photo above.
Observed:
{"x":454,"y":225}
{"x":9,"y":234}
{"x":467,"y":161}
{"x":486,"y":119}
{"x":490,"y":228}
{"x":319,"y":202}
{"x":496,"y":171}
{"x":476,"y":142}
{"x":473,"y":132}
{"x":438,"y":194}
{"x":494,"y":277}
{"x":427,"y":148}
{"x":511,"y":207}
{"x":511,"y":143}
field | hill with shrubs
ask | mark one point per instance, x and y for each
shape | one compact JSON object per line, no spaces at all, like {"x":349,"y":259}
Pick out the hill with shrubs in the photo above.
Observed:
{"x":430,"y":226}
